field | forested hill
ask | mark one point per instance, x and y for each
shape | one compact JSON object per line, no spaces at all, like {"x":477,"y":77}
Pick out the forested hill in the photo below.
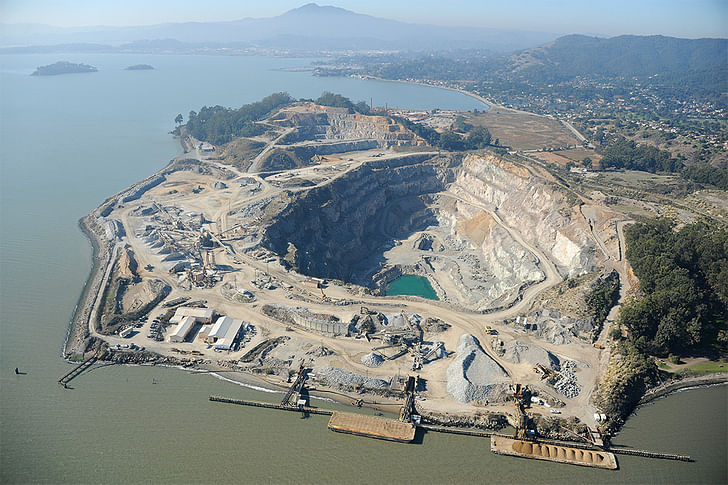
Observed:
{"x":666,"y":61}
{"x":628,"y":55}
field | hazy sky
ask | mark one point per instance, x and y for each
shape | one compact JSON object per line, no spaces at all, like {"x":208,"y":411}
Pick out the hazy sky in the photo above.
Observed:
{"x":682,"y":18}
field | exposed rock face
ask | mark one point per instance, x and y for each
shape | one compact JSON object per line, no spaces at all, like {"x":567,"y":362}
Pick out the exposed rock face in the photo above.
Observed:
{"x":324,"y":123}
{"x":468,"y":226}
{"x":559,"y":329}
{"x":331,"y":231}
{"x":474,"y":375}
{"x":541,"y":214}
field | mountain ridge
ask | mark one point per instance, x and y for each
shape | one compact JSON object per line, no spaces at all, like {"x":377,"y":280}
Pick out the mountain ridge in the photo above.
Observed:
{"x":310,"y":21}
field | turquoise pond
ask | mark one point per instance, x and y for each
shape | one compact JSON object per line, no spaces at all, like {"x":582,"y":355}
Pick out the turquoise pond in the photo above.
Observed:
{"x":412,"y":285}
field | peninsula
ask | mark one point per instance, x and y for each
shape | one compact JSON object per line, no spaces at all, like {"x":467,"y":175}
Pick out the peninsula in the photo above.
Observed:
{"x":268,"y":247}
{"x":63,"y":67}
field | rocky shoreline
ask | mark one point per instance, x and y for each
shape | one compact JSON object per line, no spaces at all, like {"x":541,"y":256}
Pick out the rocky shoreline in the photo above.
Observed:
{"x":674,"y":386}
{"x":76,"y":343}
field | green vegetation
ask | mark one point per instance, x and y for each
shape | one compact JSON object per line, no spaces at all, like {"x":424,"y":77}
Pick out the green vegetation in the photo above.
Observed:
{"x":62,"y":67}
{"x":623,"y":153}
{"x":706,"y":368}
{"x":707,"y":174}
{"x":477,"y":137}
{"x":684,"y":283}
{"x":628,"y":376}
{"x":219,"y":125}
{"x":338,"y":101}
{"x":603,"y":296}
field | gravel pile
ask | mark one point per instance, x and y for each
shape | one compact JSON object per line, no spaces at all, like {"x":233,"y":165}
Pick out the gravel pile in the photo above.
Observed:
{"x":372,"y":360}
{"x":567,"y":383}
{"x":435,"y":325}
{"x":552,"y":326}
{"x":474,"y":375}
{"x":519,"y":352}
{"x":347,"y":380}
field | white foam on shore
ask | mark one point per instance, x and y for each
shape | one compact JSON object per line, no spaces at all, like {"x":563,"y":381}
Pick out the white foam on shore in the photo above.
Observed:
{"x":244,"y":384}
{"x":263,"y":389}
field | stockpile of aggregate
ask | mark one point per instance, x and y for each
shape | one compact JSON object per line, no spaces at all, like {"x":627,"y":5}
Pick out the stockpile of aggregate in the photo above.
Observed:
{"x":334,"y":376}
{"x":474,"y":375}
{"x":372,"y":360}
{"x":522,"y":353}
{"x":567,"y":383}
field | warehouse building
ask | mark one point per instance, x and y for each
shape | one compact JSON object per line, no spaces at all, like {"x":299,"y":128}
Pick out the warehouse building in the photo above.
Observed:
{"x":182,"y":329}
{"x":201,"y":315}
{"x":224,"y":332}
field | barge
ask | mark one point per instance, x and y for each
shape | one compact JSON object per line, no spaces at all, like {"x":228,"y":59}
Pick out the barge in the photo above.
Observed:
{"x":549,"y":452}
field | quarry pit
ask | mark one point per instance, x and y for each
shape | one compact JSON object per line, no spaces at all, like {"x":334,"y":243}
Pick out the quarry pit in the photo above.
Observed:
{"x":301,"y":248}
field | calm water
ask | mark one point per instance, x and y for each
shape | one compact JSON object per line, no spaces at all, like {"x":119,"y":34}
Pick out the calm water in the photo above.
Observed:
{"x":412,"y":285}
{"x":68,"y":142}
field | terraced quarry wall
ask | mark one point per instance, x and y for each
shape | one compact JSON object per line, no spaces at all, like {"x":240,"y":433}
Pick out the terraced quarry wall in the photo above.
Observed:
{"x":541,"y":214}
{"x":337,"y":230}
{"x":472,"y":227}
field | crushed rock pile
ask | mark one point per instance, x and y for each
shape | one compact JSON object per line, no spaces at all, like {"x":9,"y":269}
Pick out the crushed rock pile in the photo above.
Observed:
{"x":372,"y":360}
{"x":567,"y":383}
{"x":348,"y":380}
{"x":435,"y":325}
{"x":520,"y":352}
{"x":552,"y":326}
{"x":474,"y":375}
{"x":320,"y":351}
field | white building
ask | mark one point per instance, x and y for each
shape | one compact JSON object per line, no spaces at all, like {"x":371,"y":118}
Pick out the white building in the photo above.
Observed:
{"x":223,"y":333}
{"x":182,"y":329}
{"x":202,"y":315}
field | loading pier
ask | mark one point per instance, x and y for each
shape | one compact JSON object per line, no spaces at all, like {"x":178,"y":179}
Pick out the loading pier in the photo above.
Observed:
{"x":78,"y":370}
{"x":295,"y":389}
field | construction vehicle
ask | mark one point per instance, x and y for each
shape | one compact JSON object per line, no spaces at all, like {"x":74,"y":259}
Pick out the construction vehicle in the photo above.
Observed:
{"x":598,"y":346}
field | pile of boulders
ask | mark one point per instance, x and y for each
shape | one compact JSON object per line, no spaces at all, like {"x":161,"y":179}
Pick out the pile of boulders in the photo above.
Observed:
{"x":567,"y":383}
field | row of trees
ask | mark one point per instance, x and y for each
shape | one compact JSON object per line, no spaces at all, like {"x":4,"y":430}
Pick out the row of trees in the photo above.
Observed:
{"x":684,"y":281}
{"x":219,"y":125}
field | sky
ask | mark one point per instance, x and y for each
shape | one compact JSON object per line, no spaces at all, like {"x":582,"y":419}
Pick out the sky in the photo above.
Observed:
{"x":679,"y":18}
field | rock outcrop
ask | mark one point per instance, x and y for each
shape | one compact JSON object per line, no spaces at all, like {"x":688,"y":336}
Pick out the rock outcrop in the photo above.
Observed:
{"x":542,"y":214}
{"x":339,"y":230}
{"x":470,"y":226}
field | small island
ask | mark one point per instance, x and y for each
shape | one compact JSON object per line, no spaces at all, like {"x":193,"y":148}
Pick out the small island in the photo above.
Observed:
{"x":140,"y":67}
{"x":63,"y":67}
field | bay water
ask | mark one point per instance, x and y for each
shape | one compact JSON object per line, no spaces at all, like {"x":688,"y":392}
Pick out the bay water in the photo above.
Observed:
{"x":67,"y":143}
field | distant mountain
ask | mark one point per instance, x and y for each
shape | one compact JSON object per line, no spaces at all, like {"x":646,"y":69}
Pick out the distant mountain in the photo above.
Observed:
{"x":696,"y":66}
{"x":310,"y":27}
{"x":626,"y":55}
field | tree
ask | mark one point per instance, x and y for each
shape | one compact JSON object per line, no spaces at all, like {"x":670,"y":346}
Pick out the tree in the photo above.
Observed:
{"x":178,"y":119}
{"x":587,"y":162}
